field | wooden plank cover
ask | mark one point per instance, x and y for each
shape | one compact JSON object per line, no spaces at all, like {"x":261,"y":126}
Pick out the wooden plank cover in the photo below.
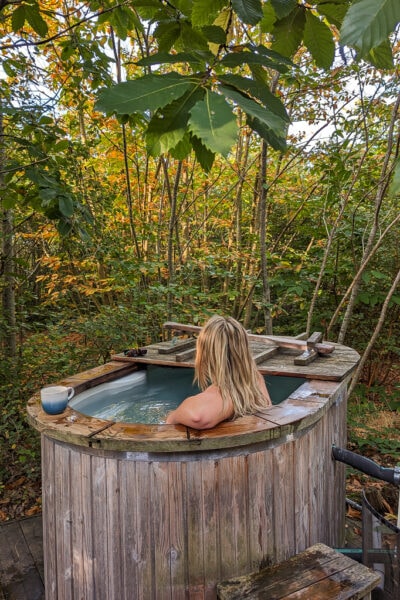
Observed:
{"x":270,"y":360}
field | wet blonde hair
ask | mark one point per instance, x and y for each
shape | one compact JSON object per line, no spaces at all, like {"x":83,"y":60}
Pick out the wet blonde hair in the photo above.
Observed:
{"x":224,"y":359}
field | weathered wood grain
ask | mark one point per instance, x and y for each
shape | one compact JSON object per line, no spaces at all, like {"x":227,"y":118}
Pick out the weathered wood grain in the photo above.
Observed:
{"x":271,"y":360}
{"x":181,"y":521}
{"x":318,"y":573}
{"x":175,"y":346}
{"x":261,"y":511}
{"x":165,"y":511}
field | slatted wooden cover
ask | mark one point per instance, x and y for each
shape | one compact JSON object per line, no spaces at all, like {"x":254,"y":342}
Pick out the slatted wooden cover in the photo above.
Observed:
{"x":271,"y":360}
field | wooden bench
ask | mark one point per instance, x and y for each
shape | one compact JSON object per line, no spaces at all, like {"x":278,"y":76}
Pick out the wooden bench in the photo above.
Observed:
{"x":318,"y":573}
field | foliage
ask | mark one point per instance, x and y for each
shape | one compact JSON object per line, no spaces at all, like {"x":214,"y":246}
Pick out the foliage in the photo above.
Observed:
{"x":186,"y":111}
{"x":119,"y":224}
{"x":372,"y":423}
{"x":368,"y":23}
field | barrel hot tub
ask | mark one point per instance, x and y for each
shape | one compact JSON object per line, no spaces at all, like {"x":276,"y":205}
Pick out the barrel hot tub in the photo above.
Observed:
{"x":143,"y":511}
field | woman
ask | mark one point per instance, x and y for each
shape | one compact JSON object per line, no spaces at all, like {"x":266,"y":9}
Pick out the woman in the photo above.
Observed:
{"x":227,"y":375}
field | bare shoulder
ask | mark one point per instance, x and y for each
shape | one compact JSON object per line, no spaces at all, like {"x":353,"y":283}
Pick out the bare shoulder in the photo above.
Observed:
{"x":202,"y":411}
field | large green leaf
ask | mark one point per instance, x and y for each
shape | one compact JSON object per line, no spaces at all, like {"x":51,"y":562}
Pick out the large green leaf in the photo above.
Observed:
{"x":277,"y":142}
{"x":146,"y":9}
{"x":249,"y":11}
{"x":381,"y":56}
{"x":167,"y":33}
{"x":123,"y":19}
{"x":318,"y":39}
{"x":167,"y":129}
{"x":192,"y":38}
{"x":203,"y":154}
{"x":35,"y":19}
{"x":18,"y":18}
{"x":205,"y":11}
{"x":214,"y":123}
{"x":275,"y":56}
{"x":283,"y":8}
{"x":236,"y":59}
{"x":144,"y":94}
{"x":159,"y":141}
{"x":183,"y":148}
{"x":163,"y":58}
{"x":66,"y":205}
{"x":368,"y":23}
{"x":214,"y":34}
{"x":252,"y":108}
{"x":258,"y":91}
{"x":333,"y":11}
{"x":184,"y":7}
{"x":288,"y":32}
{"x":269,"y":18}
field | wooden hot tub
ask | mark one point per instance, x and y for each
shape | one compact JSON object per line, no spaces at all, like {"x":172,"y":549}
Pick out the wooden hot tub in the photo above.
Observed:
{"x":161,"y":511}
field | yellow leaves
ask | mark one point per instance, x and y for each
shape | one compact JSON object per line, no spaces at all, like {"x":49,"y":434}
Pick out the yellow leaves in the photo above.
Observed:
{"x":224,"y":21}
{"x":69,"y":279}
{"x":52,"y":262}
{"x":284,"y":264}
{"x":113,"y":153}
{"x":88,"y":291}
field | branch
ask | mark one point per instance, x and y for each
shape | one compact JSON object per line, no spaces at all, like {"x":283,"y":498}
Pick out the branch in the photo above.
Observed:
{"x":360,"y":272}
{"x":374,"y":336}
{"x":26,"y":44}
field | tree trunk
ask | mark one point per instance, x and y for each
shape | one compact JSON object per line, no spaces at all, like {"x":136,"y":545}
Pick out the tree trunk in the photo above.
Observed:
{"x":375,"y":335}
{"x":7,"y":264}
{"x":379,"y":197}
{"x":263,"y":240}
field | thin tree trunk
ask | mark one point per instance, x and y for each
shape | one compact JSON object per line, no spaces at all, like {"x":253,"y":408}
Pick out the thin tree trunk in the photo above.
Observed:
{"x":117,"y":55}
{"x":8,"y":291}
{"x":7,"y":263}
{"x":242,"y":160}
{"x":361,"y":270}
{"x":331,"y":237}
{"x":376,"y":333}
{"x":379,"y":197}
{"x":263,"y":240}
{"x":172,"y":228}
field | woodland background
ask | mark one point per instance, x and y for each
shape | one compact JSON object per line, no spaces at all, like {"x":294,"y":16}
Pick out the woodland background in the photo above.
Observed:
{"x":112,"y":225}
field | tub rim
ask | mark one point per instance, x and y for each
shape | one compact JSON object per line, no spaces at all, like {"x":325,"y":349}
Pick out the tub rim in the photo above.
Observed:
{"x":305,"y":406}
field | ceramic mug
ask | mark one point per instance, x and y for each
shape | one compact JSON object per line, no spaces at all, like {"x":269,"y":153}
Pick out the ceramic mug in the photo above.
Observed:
{"x":55,"y":398}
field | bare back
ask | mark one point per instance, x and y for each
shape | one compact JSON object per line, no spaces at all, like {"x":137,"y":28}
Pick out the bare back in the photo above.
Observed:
{"x":206,"y":410}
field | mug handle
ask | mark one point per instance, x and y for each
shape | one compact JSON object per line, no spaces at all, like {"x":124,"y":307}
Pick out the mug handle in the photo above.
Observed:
{"x":71,"y":392}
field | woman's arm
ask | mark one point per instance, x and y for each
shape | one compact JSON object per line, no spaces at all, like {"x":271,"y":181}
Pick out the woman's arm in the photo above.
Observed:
{"x":203,"y":411}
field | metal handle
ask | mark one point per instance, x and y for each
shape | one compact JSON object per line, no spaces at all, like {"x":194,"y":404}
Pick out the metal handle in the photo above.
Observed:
{"x":366,"y":465}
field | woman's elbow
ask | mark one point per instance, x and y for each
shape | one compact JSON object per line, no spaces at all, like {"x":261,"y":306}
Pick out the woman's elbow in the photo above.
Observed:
{"x":184,"y":418}
{"x":198,"y":421}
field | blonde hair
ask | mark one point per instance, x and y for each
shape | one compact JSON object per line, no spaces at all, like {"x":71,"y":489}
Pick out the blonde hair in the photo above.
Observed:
{"x":224,"y":359}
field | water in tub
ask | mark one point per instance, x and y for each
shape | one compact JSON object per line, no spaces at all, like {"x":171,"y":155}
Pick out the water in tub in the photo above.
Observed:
{"x":146,"y":396}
